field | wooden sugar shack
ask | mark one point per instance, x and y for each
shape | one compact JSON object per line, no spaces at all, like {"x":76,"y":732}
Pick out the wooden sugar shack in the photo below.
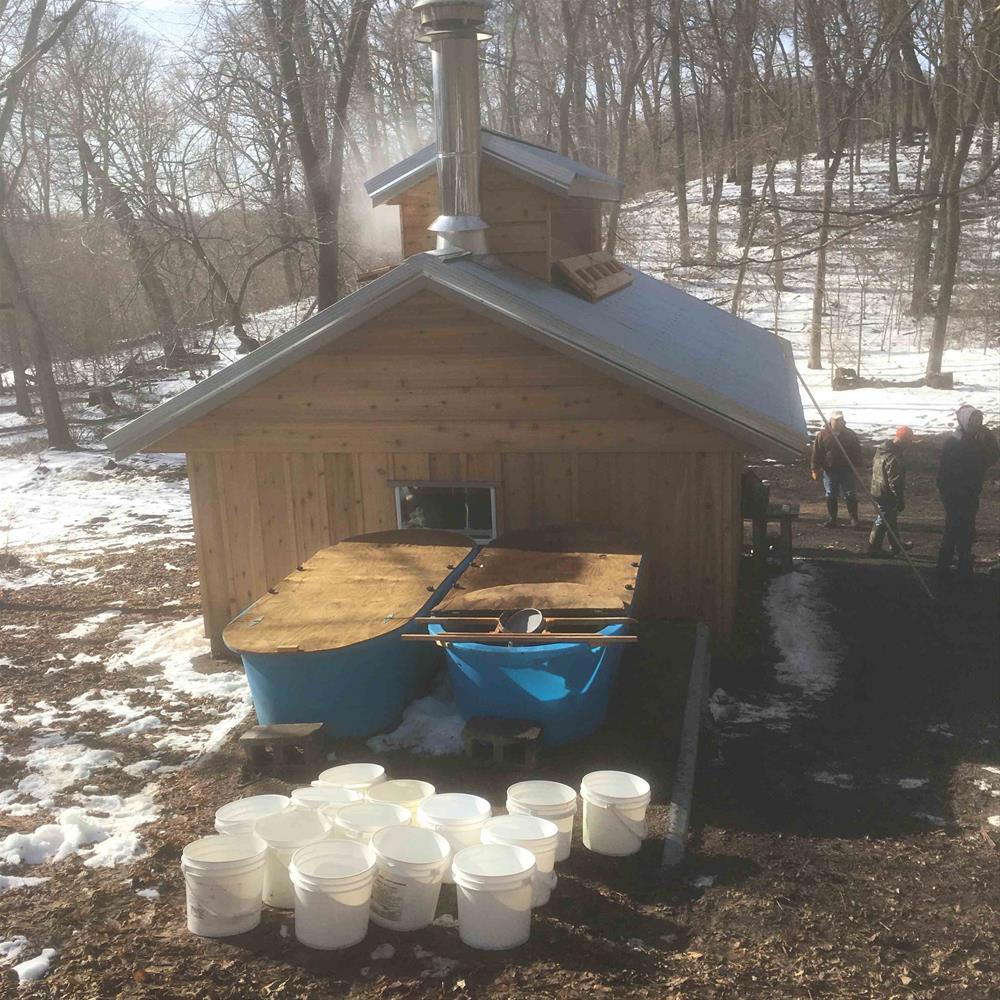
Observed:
{"x":511,"y":378}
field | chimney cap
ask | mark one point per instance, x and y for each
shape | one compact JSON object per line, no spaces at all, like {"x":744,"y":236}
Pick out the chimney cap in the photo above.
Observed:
{"x":442,"y":15}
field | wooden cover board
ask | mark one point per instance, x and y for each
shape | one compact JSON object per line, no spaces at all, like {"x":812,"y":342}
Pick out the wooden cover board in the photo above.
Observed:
{"x":349,"y":592}
{"x":506,"y":579}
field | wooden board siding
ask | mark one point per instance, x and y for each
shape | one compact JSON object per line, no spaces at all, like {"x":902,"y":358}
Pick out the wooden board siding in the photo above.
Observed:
{"x":528,"y":227}
{"x":432,"y":393}
{"x":453,"y":383}
{"x":683,"y":508}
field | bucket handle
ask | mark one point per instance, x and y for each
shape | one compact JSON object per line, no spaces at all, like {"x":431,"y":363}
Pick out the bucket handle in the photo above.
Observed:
{"x":637,"y":828}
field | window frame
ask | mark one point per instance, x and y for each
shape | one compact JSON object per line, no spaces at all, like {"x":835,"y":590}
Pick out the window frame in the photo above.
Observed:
{"x":448,"y":484}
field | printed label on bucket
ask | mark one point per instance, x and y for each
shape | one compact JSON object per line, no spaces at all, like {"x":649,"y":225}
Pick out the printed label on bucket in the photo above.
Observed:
{"x":387,"y":897}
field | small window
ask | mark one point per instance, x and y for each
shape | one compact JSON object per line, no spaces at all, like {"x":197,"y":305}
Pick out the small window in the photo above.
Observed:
{"x":469,"y":509}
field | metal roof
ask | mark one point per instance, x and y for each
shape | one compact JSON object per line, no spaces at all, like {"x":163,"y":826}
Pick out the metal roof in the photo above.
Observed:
{"x":695,"y":357}
{"x":537,"y":164}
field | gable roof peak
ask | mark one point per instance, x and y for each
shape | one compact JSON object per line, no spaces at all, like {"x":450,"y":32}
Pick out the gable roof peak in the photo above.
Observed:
{"x":534,"y":163}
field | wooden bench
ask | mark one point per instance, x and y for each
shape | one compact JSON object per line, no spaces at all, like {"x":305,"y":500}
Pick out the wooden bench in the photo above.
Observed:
{"x":758,"y":508}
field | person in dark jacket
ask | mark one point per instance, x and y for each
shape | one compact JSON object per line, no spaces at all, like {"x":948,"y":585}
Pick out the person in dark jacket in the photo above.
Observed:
{"x":834,"y":450}
{"x":966,"y":456}
{"x":889,"y":491}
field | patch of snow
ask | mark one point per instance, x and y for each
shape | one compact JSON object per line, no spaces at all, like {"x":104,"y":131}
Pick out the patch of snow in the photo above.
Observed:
{"x":89,"y":625}
{"x":931,"y":818}
{"x":143,"y":724}
{"x":111,"y":837}
{"x":445,"y":920}
{"x":703,"y":881}
{"x":440,"y":967}
{"x":10,"y":950}
{"x":383,"y":952}
{"x":81,"y":658}
{"x":431,"y":726}
{"x":836,"y":779}
{"x":809,"y":645}
{"x":17,"y":882}
{"x":35,"y":968}
{"x":421,"y":953}
{"x":141,"y":767}
{"x":150,"y":894}
{"x":910,"y":783}
{"x":993,"y":820}
{"x":990,"y":770}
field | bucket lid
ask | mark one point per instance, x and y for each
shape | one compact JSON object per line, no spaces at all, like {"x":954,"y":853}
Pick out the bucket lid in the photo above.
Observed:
{"x":411,"y":845}
{"x":250,"y":809}
{"x":400,"y":790}
{"x":333,"y":860}
{"x":222,"y":849}
{"x":614,"y":788}
{"x":524,"y":621}
{"x":317,"y":796}
{"x":493,"y":866}
{"x":294,"y":828}
{"x":542,"y":794}
{"x":533,"y":832}
{"x":353,"y":775}
{"x":369,"y":817}
{"x":454,"y":809}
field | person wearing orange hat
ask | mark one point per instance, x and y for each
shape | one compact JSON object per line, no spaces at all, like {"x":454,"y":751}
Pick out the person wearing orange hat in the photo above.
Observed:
{"x":966,"y":456}
{"x":889,"y":491}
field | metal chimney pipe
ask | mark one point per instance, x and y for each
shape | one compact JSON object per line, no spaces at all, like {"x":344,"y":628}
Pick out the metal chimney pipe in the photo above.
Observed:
{"x":452,"y":28}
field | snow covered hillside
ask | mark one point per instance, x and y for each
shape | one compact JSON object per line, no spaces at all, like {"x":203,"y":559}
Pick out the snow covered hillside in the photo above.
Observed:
{"x":866,"y":326}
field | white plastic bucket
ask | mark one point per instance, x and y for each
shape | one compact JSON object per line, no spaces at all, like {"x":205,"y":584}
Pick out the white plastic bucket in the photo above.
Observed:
{"x":458,"y":817}
{"x":494,"y":885}
{"x":540,"y":836}
{"x":320,"y":796}
{"x":359,"y":777}
{"x":411,"y":865}
{"x":284,"y":833}
{"x":363,"y":820}
{"x":332,"y":882}
{"x":614,"y":812}
{"x":402,"y":792}
{"x":224,"y":879}
{"x":549,"y":800}
{"x":240,"y":817}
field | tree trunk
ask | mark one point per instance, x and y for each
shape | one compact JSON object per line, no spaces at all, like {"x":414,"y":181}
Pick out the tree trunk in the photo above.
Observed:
{"x":143,"y":259}
{"x":56,"y":428}
{"x":941,"y":152}
{"x":894,"y":90}
{"x":712,"y":250}
{"x":677,"y":108}
{"x":951,"y":209}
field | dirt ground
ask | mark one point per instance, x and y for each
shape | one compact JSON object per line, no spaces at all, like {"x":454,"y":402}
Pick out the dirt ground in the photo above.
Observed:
{"x":841,"y":856}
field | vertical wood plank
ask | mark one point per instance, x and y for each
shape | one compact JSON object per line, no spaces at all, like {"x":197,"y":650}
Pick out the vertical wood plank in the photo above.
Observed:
{"x":209,"y":536}
{"x":447,"y":467}
{"x":377,"y":501}
{"x":309,"y":496}
{"x":518,"y":492}
{"x":552,"y":489}
{"x":277,"y":529}
{"x":411,"y":467}
{"x":345,"y":507}
{"x":241,"y":513}
{"x":483,"y":467}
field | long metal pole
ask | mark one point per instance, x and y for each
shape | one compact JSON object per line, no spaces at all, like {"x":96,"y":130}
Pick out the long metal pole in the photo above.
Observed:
{"x":867,"y":492}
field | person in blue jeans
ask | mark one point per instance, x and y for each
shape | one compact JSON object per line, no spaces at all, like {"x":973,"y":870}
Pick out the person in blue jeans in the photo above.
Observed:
{"x":835,"y":448}
{"x":889,"y":492}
